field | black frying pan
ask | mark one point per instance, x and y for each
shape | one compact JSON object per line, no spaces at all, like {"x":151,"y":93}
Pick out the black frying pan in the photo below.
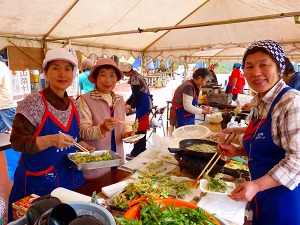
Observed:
{"x":188,"y":142}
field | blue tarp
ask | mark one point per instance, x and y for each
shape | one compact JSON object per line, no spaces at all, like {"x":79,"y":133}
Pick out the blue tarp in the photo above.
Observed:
{"x":157,"y":64}
{"x":12,"y":158}
{"x":151,"y":64}
{"x":137,"y":63}
{"x":167,"y":64}
{"x":200,"y":65}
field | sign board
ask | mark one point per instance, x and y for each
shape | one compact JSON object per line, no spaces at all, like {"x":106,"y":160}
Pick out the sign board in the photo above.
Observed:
{"x":20,"y":84}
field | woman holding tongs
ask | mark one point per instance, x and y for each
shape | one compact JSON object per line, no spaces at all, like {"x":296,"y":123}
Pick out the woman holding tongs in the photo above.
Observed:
{"x":271,"y":140}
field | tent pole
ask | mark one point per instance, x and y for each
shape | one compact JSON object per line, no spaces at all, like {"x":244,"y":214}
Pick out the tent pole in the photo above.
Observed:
{"x":205,"y":24}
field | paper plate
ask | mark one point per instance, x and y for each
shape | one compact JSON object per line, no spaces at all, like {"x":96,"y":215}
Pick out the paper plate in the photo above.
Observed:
{"x":134,"y":138}
{"x":204,"y":183}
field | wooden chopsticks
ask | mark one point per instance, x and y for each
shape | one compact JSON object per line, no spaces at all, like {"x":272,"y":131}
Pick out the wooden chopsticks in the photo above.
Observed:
{"x":77,"y":145}
{"x":217,"y":159}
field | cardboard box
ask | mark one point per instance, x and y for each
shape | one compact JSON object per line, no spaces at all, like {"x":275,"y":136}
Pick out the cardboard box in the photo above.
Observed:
{"x":20,"y":207}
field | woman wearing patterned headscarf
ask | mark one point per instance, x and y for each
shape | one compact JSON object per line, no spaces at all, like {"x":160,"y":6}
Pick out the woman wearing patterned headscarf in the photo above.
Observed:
{"x":271,"y":140}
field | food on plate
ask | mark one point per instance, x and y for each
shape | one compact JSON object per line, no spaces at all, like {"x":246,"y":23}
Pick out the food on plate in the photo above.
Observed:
{"x":89,"y":157}
{"x":135,"y":125}
{"x":216,"y":184}
{"x":162,"y":214}
{"x":202,"y":148}
{"x":164,"y":187}
{"x":133,"y":138}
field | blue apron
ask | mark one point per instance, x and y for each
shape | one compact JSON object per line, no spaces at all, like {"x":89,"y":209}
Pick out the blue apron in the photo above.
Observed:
{"x":184,"y":117}
{"x":143,"y":107}
{"x":278,"y":205}
{"x":42,"y":172}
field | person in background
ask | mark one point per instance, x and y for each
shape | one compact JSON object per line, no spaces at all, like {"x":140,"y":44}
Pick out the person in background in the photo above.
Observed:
{"x":213,"y":78}
{"x":44,"y":165}
{"x":236,"y":82}
{"x":291,"y":77}
{"x":103,"y":113}
{"x":140,"y":100}
{"x":185,"y":100}
{"x":271,"y":141}
{"x":84,"y":84}
{"x":7,"y":105}
{"x":7,"y":113}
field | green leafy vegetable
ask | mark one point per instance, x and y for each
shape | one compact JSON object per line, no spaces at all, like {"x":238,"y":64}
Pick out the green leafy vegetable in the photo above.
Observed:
{"x":135,"y":125}
{"x":163,"y":215}
{"x":216,"y":184}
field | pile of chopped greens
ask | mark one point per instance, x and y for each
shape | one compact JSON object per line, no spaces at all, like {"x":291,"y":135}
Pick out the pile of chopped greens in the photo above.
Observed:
{"x":164,"y":187}
{"x":216,"y":184}
{"x":151,"y":184}
{"x":88,"y":157}
{"x":163,"y":215}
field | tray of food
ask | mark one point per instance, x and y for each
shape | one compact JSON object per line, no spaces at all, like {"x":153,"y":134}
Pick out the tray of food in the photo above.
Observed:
{"x":95,"y":160}
{"x":160,"y":187}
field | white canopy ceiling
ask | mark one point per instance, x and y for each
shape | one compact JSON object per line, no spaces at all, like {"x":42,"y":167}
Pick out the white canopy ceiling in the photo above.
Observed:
{"x":191,"y":30}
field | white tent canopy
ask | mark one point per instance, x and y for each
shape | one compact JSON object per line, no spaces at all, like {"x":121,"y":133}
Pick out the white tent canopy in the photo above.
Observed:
{"x":190,"y":30}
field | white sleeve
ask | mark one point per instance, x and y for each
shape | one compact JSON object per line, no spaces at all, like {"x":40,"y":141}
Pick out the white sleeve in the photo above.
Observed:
{"x":188,"y":106}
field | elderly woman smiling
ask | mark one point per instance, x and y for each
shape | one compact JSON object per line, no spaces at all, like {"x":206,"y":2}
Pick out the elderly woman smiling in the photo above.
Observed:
{"x":44,"y":165}
{"x":102,"y":112}
{"x":271,"y":140}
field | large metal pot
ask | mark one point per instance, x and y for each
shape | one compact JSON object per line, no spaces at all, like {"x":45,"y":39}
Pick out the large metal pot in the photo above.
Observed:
{"x":184,"y":144}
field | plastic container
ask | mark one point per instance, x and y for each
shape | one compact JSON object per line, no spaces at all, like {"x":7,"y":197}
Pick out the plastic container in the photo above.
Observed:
{"x":83,"y":208}
{"x":242,"y":123}
{"x":232,"y":122}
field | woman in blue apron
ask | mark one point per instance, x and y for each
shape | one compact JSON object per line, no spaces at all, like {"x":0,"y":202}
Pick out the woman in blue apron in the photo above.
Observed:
{"x":271,"y":140}
{"x":184,"y":117}
{"x":185,"y":100}
{"x":43,"y":164}
{"x":140,"y":100}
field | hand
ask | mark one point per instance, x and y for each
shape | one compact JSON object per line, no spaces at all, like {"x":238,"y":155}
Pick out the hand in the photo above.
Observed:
{"x":109,"y":124}
{"x":228,"y":130}
{"x":129,"y":134}
{"x":244,"y":192}
{"x":228,"y":150}
{"x":128,"y":107}
{"x":221,"y":136}
{"x":207,"y":110}
{"x":247,"y":106}
{"x":62,"y":140}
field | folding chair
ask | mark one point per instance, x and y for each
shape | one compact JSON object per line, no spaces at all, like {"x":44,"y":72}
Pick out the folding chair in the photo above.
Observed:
{"x":156,"y":120}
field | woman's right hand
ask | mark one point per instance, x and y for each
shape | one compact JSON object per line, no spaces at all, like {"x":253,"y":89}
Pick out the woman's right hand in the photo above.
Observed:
{"x":62,"y":140}
{"x":228,"y":150}
{"x":109,"y":124}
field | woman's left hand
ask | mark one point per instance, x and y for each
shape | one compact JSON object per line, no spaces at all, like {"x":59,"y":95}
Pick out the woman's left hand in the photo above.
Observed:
{"x":109,"y":124}
{"x":129,"y":134}
{"x":244,"y":192}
